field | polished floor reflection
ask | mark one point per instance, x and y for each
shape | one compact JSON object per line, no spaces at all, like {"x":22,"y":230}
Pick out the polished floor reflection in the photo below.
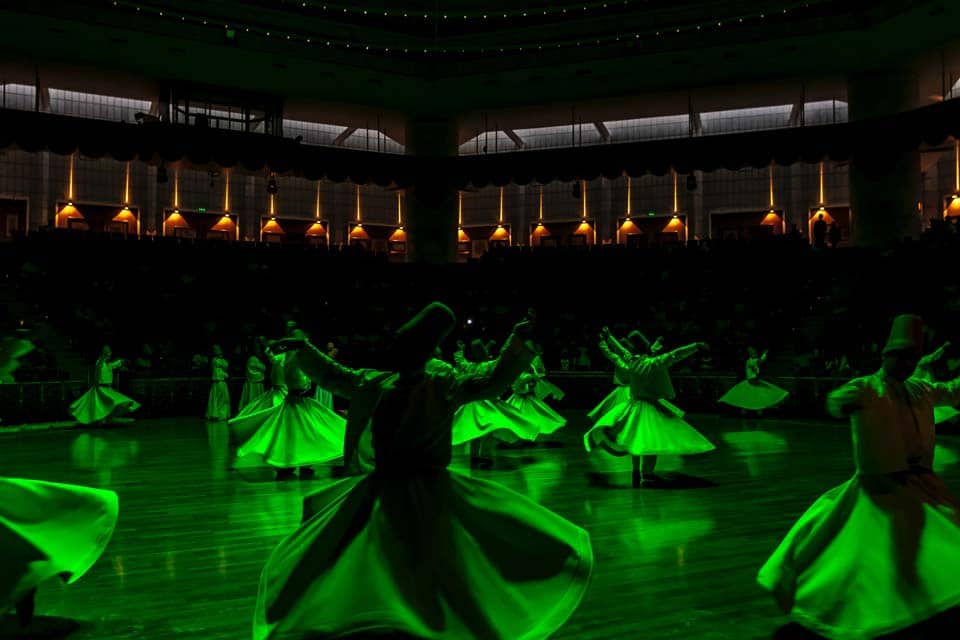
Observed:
{"x":674,"y":561}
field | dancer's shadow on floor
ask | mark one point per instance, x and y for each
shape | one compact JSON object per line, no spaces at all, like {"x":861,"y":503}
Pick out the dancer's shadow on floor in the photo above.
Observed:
{"x":940,"y":627}
{"x":502,"y":463}
{"x":265,"y":475}
{"x":794,"y":631}
{"x":257,"y":475}
{"x":527,"y":445}
{"x":107,"y":425}
{"x":41,"y":627}
{"x":621,"y":480}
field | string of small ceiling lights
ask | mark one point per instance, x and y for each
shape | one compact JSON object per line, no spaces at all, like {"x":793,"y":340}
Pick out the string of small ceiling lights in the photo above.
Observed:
{"x":631,"y":38}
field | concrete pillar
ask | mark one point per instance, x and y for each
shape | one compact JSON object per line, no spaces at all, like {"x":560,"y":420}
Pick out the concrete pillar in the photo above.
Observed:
{"x":152,"y":214}
{"x":44,"y":214}
{"x":606,"y":219}
{"x":521,"y":215}
{"x":885,"y":183}
{"x":250,"y":217}
{"x":696,"y":213}
{"x":432,"y":205}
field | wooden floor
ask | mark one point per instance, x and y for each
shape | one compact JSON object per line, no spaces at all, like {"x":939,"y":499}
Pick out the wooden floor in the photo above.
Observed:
{"x":674,"y":562}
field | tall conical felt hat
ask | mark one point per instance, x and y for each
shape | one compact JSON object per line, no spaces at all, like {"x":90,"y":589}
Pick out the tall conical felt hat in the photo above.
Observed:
{"x":638,"y":341}
{"x":415,"y":341}
{"x":477,"y":349}
{"x":906,"y":333}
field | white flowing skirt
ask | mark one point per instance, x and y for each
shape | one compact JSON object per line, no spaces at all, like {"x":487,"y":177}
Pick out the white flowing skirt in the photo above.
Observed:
{"x":298,"y":432}
{"x":860,"y":564}
{"x":640,"y":428}
{"x":100,"y":403}
{"x":437,"y":555}
{"x":47,"y":530}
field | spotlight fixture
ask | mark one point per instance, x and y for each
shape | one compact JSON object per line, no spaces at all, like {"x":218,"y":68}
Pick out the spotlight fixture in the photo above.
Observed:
{"x":272,"y":186}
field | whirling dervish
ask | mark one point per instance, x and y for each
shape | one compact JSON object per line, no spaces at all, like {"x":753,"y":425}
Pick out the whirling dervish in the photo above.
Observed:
{"x":543,"y":388}
{"x":256,"y":372}
{"x":529,"y":402}
{"x":275,"y":394}
{"x":646,"y":425}
{"x":295,"y":434}
{"x":621,"y":389}
{"x":102,"y":403}
{"x":11,"y":350}
{"x":218,"y":400}
{"x":754,"y":394}
{"x":415,"y":548}
{"x":880,"y":552}
{"x":480,"y":421}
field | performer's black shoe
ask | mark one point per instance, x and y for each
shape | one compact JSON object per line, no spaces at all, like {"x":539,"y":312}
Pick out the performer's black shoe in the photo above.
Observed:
{"x":25,"y":607}
{"x":306,"y":473}
{"x":285,"y":474}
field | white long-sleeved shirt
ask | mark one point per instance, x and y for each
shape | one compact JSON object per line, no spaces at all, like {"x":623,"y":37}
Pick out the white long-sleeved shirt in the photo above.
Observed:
{"x":104,"y":372}
{"x":892,"y":422}
{"x":219,"y":369}
{"x":255,"y":369}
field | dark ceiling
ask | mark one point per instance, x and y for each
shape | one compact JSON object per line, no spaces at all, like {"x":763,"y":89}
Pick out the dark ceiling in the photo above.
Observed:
{"x":424,"y":56}
{"x":482,"y":30}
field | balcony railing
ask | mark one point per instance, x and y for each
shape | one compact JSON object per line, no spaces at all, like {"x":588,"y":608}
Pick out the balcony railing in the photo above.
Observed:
{"x":680,"y":125}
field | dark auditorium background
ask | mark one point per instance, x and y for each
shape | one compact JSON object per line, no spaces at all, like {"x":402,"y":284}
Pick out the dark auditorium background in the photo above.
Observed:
{"x":174,"y":174}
